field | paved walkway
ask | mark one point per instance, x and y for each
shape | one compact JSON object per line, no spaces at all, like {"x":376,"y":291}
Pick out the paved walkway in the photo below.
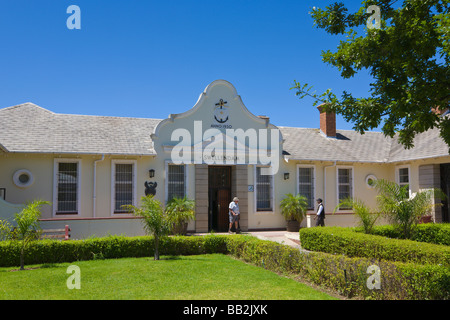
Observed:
{"x":283,"y":237}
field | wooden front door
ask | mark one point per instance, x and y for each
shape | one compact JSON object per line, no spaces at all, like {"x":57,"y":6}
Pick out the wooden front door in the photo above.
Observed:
{"x":219,"y":194}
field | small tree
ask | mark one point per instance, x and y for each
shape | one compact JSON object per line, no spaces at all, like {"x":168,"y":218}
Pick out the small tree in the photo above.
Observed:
{"x":367,"y":218}
{"x":180,"y":211}
{"x":27,"y":227}
{"x":402,"y":211}
{"x":154,"y":219}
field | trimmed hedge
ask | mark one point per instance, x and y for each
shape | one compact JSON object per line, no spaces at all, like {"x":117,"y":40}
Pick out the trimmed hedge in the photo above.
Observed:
{"x":437,"y":233}
{"x":339,"y":240}
{"x":346,"y":275}
{"x":54,"y":251}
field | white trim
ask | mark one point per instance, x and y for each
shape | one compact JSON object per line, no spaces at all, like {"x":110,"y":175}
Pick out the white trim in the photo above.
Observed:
{"x":113,"y":183}
{"x":56,"y":162}
{"x":352,"y":185}
{"x":397,"y":175}
{"x":201,"y":100}
{"x":21,"y":184}
{"x":166,"y":178}
{"x":255,"y":192}
{"x":370,"y":177}
{"x":314,"y":181}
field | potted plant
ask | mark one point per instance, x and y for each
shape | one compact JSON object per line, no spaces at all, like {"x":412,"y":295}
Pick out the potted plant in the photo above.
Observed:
{"x":293,"y":208}
{"x":179,"y":212}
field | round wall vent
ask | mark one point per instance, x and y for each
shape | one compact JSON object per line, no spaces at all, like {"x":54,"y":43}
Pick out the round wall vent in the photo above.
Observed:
{"x":23,"y":178}
{"x":370,"y":180}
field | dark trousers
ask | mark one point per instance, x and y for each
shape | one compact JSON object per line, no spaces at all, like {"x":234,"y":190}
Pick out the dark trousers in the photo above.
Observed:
{"x":320,"y":221}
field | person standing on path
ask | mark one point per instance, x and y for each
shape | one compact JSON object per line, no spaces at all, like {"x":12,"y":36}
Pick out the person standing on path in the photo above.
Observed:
{"x":234,"y":214}
{"x":320,"y":216}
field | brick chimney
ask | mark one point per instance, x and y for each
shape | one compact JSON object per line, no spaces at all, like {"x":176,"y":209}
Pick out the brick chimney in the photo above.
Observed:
{"x":439,"y":110}
{"x":327,"y":122}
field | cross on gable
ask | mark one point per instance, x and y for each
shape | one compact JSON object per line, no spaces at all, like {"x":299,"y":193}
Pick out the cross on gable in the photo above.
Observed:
{"x":221,"y":103}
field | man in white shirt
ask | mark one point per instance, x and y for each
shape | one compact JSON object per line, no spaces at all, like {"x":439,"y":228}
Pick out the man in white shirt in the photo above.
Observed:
{"x":233,"y":214}
{"x":320,"y":216}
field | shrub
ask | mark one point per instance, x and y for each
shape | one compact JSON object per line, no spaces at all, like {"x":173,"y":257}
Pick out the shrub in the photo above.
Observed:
{"x":437,"y":233}
{"x":404,"y":211}
{"x":54,"y":251}
{"x":346,"y":275}
{"x":338,"y":240}
{"x":366,"y":217}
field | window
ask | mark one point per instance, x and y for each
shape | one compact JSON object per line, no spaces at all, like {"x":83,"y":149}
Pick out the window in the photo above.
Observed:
{"x":306,"y":184}
{"x":264,"y":191}
{"x":403,"y":177}
{"x":67,"y":187}
{"x":123,"y":186}
{"x":345,"y":185}
{"x":175,"y":181}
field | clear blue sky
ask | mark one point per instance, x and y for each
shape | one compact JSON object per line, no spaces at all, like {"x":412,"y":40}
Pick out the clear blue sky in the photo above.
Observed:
{"x":139,"y":58}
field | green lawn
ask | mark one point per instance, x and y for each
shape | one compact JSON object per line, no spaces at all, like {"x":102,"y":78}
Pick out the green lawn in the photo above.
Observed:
{"x":208,"y":277}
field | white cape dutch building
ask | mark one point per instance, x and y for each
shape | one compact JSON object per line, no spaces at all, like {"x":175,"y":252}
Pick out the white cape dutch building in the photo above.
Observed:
{"x":88,"y":167}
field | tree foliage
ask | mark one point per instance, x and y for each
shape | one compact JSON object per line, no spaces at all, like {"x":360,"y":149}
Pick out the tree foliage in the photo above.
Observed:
{"x":404,"y":211}
{"x":408,"y":57}
{"x":154,"y":219}
{"x":26,"y":227}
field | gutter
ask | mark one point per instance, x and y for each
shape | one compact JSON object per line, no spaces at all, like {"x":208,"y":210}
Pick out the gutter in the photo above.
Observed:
{"x":94,"y":197}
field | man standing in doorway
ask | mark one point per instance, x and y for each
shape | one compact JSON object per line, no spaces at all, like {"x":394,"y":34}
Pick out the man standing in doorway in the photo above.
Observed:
{"x":234,"y":214}
{"x":320,"y":214}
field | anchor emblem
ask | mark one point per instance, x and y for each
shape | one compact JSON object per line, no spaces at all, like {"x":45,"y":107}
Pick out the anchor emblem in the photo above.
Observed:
{"x":221,"y":112}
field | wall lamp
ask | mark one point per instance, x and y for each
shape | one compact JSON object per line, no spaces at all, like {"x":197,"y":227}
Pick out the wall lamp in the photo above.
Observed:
{"x":286,"y":176}
{"x":151,"y":173}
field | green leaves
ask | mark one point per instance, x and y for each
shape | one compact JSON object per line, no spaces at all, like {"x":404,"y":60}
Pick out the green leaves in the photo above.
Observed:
{"x":26,"y":227}
{"x":366,"y":217}
{"x":408,"y":58}
{"x":155,"y":220}
{"x":180,"y":210}
{"x":294,"y":207}
{"x":28,"y":220}
{"x":402,"y":210}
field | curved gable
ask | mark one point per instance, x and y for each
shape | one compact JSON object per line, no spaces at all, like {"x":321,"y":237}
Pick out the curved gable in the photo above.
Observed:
{"x":219,"y":109}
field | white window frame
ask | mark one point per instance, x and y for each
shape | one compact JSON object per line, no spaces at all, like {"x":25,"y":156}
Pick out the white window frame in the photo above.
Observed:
{"x":310,"y":166}
{"x":113,"y":184}
{"x":56,"y":163}
{"x":255,"y":193}
{"x":352,"y":185}
{"x":166,"y":177}
{"x":397,"y":176}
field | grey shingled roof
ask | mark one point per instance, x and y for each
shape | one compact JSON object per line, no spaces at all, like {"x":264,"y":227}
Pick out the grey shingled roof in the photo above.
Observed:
{"x":348,"y":146}
{"x":32,"y":129}
{"x":428,"y":144}
{"x":29,"y":128}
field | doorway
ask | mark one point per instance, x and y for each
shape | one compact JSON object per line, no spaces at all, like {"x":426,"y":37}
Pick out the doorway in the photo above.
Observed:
{"x":219,"y":197}
{"x":445,"y":186}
